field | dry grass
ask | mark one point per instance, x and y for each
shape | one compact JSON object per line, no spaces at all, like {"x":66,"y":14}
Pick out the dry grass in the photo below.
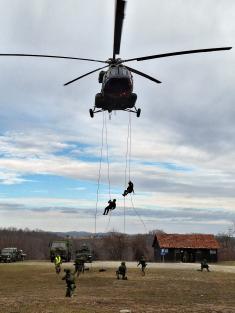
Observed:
{"x":29,"y":289}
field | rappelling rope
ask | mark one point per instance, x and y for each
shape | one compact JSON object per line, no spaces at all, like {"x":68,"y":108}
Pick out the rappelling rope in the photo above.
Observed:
{"x":140,"y":218}
{"x":128,"y":168}
{"x":128,"y":160}
{"x":107,"y":153}
{"x":108,"y":167}
{"x":130,"y":146}
{"x":99,"y":173}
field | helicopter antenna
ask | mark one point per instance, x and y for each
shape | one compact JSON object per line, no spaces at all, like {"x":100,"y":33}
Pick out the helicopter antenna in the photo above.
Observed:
{"x":119,"y":17}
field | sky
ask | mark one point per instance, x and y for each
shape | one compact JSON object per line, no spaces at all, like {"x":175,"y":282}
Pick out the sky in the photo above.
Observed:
{"x":182,"y":146}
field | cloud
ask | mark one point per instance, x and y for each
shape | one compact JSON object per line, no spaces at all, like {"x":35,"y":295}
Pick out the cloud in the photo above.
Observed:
{"x":182,"y":153}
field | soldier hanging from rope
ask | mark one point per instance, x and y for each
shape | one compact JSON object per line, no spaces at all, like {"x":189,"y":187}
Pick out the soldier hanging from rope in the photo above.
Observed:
{"x":129,"y":189}
{"x":111,"y":206}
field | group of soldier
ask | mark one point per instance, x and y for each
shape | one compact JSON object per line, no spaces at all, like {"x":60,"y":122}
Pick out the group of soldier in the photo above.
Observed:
{"x":79,"y":264}
{"x":121,"y":272}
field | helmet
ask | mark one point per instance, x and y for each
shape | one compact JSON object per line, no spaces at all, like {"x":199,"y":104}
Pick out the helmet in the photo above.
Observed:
{"x":123,"y":263}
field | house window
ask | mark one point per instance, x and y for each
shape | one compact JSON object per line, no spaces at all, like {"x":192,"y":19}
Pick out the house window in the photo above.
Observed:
{"x":212,"y":251}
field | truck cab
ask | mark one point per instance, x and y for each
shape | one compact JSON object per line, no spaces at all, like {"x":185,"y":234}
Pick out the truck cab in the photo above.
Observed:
{"x":62,"y":248}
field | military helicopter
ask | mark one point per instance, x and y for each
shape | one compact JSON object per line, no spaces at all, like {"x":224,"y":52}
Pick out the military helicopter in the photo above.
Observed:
{"x":117,"y":81}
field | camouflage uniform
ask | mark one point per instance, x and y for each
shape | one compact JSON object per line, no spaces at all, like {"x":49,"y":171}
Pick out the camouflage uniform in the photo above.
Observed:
{"x":79,"y":265}
{"x":129,"y":189}
{"x":122,"y":271}
{"x":111,"y":206}
{"x":143,"y":264}
{"x":70,"y":282}
{"x":204,"y":264}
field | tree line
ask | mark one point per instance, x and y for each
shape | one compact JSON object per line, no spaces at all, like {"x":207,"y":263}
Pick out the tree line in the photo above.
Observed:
{"x":114,"y":246}
{"x":111,"y":246}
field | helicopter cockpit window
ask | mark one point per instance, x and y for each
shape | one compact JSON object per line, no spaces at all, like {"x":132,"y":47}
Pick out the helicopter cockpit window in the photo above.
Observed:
{"x":118,"y":86}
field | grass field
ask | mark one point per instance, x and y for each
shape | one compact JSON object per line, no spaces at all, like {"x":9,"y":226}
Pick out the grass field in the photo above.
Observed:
{"x":29,"y":288}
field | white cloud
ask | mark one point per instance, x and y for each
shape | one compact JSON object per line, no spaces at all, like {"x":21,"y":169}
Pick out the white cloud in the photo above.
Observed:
{"x":188,"y":121}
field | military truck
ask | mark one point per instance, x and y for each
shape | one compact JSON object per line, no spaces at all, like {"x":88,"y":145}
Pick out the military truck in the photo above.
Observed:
{"x":12,"y":255}
{"x":84,"y":253}
{"x":62,"y":248}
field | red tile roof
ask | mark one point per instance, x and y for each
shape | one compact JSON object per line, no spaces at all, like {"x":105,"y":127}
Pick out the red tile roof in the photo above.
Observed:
{"x":186,"y":241}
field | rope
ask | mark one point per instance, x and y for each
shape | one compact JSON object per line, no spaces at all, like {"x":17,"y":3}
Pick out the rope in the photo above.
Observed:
{"x":107,"y":226}
{"x":138,"y":215}
{"x":126,"y":168}
{"x":99,"y":173}
{"x":107,"y":153}
{"x":108,"y":167}
{"x":130,"y":146}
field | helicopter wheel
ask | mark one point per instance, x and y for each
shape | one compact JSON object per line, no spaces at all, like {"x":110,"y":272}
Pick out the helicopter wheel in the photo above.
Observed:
{"x":91,"y":113}
{"x":138,"y":112}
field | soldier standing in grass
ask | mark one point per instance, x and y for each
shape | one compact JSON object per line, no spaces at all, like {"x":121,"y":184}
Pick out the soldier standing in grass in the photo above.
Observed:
{"x":122,"y":271}
{"x":70,"y":282}
{"x":143,"y":264}
{"x":57,"y":262}
{"x":79,"y":265}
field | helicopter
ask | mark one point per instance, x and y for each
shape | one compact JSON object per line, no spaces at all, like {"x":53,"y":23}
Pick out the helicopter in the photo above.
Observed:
{"x":117,"y":80}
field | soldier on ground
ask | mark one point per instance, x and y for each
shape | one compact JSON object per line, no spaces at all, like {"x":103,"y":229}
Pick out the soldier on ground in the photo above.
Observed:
{"x":111,"y":206}
{"x":122,"y":271}
{"x":70,"y":282}
{"x":143,"y":264}
{"x":205,"y":265}
{"x":57,"y":262}
{"x":79,"y":265}
{"x":129,"y":189}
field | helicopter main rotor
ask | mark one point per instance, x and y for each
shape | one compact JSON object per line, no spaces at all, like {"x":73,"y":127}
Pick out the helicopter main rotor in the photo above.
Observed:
{"x":118,"y":25}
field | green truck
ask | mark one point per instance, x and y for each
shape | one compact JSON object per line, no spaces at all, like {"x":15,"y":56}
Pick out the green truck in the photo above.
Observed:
{"x":62,"y":248}
{"x":11,"y":254}
{"x":84,"y":253}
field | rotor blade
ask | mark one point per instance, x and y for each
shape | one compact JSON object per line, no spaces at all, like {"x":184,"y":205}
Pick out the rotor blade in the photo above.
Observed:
{"x":164,"y":55}
{"x":143,"y":74}
{"x":47,"y":56}
{"x":71,"y":81}
{"x":119,"y":16}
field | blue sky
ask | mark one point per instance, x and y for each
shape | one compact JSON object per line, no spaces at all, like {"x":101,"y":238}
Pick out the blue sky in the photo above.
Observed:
{"x":182,"y":153}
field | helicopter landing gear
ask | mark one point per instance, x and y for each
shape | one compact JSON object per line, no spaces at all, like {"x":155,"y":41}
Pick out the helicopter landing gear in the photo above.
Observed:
{"x":91,"y":113}
{"x":136,"y":111}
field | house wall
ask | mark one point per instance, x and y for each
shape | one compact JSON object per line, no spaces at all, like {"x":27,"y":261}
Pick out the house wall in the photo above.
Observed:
{"x":184,"y":255}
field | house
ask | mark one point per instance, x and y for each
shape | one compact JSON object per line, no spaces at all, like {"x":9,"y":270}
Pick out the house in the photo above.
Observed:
{"x":185,"y":247}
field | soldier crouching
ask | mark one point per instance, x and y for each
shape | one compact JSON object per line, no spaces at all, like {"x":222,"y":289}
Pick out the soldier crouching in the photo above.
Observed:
{"x":121,"y":271}
{"x":205,"y":265}
{"x":70,"y":282}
